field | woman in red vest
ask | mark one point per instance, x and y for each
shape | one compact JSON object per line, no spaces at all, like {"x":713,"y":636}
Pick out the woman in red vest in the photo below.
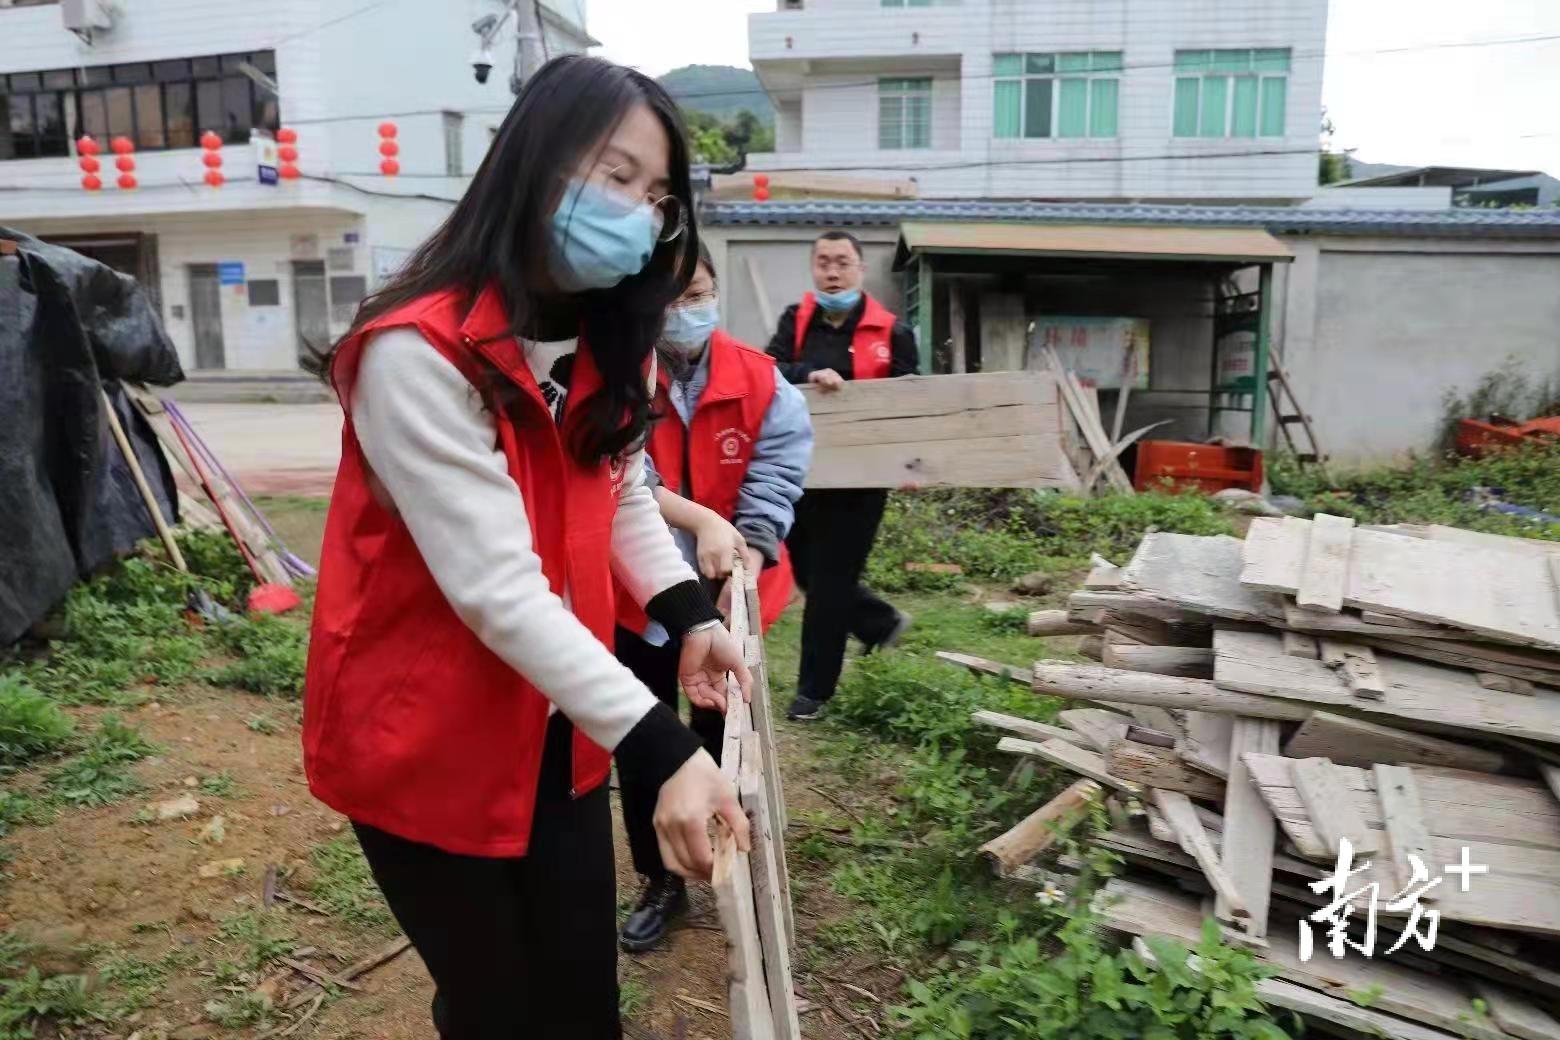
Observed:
{"x":731,"y":451}
{"x":463,"y":698}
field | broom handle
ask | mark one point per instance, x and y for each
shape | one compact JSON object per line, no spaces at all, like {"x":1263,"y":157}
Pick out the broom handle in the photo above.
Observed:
{"x":140,"y":483}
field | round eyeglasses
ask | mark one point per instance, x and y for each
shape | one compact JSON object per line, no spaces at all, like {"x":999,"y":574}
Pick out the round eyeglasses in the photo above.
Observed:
{"x":671,"y":214}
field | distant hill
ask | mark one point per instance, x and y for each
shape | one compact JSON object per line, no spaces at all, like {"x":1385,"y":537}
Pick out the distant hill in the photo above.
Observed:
{"x":720,"y":90}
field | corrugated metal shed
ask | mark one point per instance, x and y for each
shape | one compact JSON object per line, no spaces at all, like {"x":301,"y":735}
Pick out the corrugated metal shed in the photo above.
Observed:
{"x":1129,"y":242}
{"x":1462,"y":223}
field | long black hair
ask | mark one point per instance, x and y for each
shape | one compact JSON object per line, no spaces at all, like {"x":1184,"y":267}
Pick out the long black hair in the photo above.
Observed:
{"x":499,"y":233}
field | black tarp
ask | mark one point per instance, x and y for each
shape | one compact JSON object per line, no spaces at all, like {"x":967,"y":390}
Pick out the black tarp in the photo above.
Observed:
{"x":68,"y":504}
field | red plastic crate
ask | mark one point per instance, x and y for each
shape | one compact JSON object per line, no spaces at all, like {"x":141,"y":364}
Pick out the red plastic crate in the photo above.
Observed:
{"x":1186,"y":466}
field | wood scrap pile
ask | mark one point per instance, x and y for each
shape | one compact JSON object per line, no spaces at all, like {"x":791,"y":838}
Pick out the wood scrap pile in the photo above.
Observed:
{"x":1260,"y":704}
{"x":752,"y":889}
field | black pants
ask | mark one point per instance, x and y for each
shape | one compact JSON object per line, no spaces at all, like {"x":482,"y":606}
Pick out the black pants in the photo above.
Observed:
{"x":656,"y":667}
{"x":829,"y":544}
{"x":519,"y":949}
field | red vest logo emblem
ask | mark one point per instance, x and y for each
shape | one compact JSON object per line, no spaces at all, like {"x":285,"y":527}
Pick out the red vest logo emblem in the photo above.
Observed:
{"x":729,"y":447}
{"x":880,"y":350}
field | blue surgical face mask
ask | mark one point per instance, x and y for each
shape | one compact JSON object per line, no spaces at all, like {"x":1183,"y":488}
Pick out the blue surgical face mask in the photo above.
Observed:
{"x":689,"y":328}
{"x":600,"y":238}
{"x":835,"y":302}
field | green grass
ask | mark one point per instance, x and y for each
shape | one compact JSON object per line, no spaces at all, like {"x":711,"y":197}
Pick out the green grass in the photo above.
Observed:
{"x":31,"y":999}
{"x":220,"y":785}
{"x":270,"y":653}
{"x":100,"y":774}
{"x":343,"y":884}
{"x":31,"y":725}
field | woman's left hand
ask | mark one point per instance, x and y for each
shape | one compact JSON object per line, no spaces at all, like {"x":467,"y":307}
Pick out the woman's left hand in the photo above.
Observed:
{"x":706,"y":658}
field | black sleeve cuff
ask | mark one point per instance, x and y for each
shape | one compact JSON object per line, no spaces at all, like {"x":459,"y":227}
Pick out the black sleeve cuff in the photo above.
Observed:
{"x":682,"y":606}
{"x":656,"y":747}
{"x":762,"y":537}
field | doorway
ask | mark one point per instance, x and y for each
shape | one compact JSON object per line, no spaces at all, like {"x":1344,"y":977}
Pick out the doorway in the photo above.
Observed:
{"x":206,"y":316}
{"x":311,"y":309}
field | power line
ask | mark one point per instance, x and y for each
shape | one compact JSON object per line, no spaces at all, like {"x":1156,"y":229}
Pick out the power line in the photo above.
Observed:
{"x":333,"y":21}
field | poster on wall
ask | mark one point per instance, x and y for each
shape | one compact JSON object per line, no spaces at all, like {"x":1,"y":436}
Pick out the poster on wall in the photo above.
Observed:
{"x":264,"y":146}
{"x":1105,"y":352}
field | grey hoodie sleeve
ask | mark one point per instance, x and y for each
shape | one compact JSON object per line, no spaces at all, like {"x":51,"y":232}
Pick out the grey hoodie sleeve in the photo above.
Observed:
{"x":766,"y":504}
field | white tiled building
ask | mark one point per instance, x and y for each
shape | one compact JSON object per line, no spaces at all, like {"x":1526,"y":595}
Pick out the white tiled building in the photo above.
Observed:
{"x":1186,"y":100}
{"x":245,"y":274}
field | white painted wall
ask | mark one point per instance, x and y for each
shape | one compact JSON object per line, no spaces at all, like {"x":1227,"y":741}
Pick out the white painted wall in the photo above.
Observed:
{"x":809,"y":47}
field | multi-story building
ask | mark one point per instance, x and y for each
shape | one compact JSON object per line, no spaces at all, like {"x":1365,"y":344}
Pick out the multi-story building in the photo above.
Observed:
{"x":251,"y":274}
{"x":1183,"y":100}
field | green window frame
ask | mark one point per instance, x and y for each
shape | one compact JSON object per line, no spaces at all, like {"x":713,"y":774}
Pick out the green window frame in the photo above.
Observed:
{"x":1231,"y":93}
{"x":904,"y":113}
{"x":1064,"y":94}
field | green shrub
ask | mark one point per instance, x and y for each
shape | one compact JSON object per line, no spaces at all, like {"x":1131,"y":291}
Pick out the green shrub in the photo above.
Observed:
{"x":32,"y":999}
{"x":101,"y":774}
{"x":30,"y":724}
{"x":272,"y":653}
{"x":919,"y":700}
{"x":1019,"y":989}
{"x":1505,"y":391}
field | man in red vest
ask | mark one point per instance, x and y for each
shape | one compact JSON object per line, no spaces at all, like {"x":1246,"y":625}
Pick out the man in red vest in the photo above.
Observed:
{"x":835,"y":334}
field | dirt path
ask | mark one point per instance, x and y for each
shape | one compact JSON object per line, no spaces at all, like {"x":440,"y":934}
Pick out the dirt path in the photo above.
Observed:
{"x":105,"y":884}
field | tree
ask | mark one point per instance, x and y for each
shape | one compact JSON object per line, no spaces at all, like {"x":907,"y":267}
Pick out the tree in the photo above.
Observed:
{"x":723,"y":143}
{"x":710,"y":146}
{"x":1331,"y":166}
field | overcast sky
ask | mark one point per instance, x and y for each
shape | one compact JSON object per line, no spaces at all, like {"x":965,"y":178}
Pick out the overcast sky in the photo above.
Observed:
{"x":1483,"y":105}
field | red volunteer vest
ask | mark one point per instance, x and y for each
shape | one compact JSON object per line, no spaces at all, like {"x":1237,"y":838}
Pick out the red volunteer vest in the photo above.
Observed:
{"x":871,"y":348}
{"x":715,"y":451}
{"x":410,"y":723}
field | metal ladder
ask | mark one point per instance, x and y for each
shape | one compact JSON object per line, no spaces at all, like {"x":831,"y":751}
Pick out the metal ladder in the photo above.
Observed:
{"x":1286,"y":408}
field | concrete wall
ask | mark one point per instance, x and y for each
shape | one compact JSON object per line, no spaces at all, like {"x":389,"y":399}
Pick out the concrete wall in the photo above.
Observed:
{"x":782,"y":261}
{"x":1377,"y":331}
{"x":831,"y":52}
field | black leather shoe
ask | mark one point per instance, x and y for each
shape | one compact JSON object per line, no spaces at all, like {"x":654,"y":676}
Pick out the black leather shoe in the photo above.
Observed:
{"x":662,"y":902}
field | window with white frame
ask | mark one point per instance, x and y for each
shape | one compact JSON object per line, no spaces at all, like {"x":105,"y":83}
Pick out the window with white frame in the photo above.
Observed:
{"x":1067,"y":94}
{"x":904,"y":113}
{"x":1231,"y":93}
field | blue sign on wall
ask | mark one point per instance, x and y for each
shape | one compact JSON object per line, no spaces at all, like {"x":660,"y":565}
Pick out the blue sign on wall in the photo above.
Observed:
{"x":230,"y":273}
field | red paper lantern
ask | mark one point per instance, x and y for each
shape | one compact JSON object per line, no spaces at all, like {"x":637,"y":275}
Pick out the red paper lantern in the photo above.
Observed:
{"x":121,"y":146}
{"x":286,"y":135}
{"x":288,"y":172}
{"x":210,"y":140}
{"x":761,"y":194}
{"x":87,"y":146}
{"x":389,"y":149}
{"x":389,"y":167}
{"x":89,"y":164}
{"x":124,"y":164}
{"x":215,"y":178}
{"x":127,"y":181}
{"x":92,"y":183}
{"x":761,"y":180}
{"x":287,"y":153}
{"x":387,"y":130}
{"x":212,"y":159}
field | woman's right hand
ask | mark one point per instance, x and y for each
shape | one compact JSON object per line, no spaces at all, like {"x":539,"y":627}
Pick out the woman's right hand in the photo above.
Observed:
{"x":688,"y":799}
{"x":719,"y":543}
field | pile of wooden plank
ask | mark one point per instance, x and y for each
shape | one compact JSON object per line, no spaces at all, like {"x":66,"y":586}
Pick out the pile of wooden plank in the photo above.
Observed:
{"x":752,"y":889}
{"x":1260,"y":703}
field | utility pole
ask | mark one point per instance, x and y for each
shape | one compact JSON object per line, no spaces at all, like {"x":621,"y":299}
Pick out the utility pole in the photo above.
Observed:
{"x":530,"y":46}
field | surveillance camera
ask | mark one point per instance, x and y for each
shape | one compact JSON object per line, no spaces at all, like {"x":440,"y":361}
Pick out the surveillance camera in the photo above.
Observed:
{"x":482,"y":63}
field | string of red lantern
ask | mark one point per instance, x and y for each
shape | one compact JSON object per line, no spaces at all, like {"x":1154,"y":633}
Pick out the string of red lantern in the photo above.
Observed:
{"x":761,"y":187}
{"x":89,"y":150}
{"x":287,"y":153}
{"x":124,"y":148}
{"x":211,"y":156}
{"x":389,"y":149}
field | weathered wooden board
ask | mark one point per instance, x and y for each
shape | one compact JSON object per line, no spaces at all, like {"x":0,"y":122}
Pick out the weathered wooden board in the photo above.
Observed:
{"x":1068,"y":756}
{"x":1408,"y":837}
{"x":981,"y":430}
{"x":1194,"y":574}
{"x":1161,"y":768}
{"x":1517,"y":1015}
{"x":1099,"y":727}
{"x":1254,"y":663}
{"x":1141,"y":910}
{"x":1325,"y":573}
{"x":1529,"y":547}
{"x":1195,"y":662}
{"x":1439,"y":582}
{"x":1356,"y":623}
{"x":1534,"y":665}
{"x":1040,"y":829}
{"x":771,"y":900}
{"x":1207,"y":742}
{"x":1356,"y":742}
{"x":1193,"y":839}
{"x":1327,"y":803}
{"x":1027,"y":728}
{"x":1249,"y":826}
{"x":747,"y":987}
{"x":1108,"y":685}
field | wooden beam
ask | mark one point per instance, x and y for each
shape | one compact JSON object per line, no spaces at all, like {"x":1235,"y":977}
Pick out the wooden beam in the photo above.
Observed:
{"x":1192,"y":662}
{"x":1250,"y":831}
{"x":1331,"y":808}
{"x":1040,"y":829}
{"x":1094,"y":683}
{"x":1057,"y":623}
{"x":1027,"y":728}
{"x":982,"y":666}
{"x":1068,"y":756}
{"x":1099,"y":727}
{"x":1188,"y":829}
{"x":1356,"y":742}
{"x":1160,"y":768}
{"x":772,"y":901}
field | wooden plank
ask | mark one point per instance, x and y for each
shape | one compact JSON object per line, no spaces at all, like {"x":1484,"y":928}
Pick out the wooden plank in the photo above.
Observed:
{"x":1207,"y":742}
{"x":1517,"y":1015}
{"x":1426,"y":694}
{"x":975,"y":430}
{"x":1504,"y":683}
{"x":1141,"y":910}
{"x":1188,"y":829}
{"x":747,"y":990}
{"x":1363,"y":623}
{"x":1194,"y":662}
{"x":1040,"y":829}
{"x":1297,"y":644}
{"x":1356,"y":666}
{"x":1273,"y":554}
{"x":1249,"y":827}
{"x":1160,"y":768}
{"x":1356,"y":742}
{"x":771,"y":899}
{"x":762,"y":711}
{"x":1528,"y":547}
{"x":1330,"y":807}
{"x":1028,"y":728}
{"x":1094,"y":683}
{"x":1068,"y":756}
{"x":1534,"y":666}
{"x":1099,"y":727}
{"x":1188,"y":573}
{"x":1087,"y":419}
{"x":1324,"y":575}
{"x":1057,"y":623}
{"x":1407,"y":835}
